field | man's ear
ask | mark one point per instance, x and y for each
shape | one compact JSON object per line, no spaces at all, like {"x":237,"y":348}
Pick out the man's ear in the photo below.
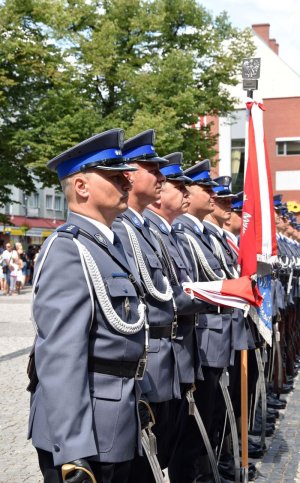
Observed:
{"x":81,"y":185}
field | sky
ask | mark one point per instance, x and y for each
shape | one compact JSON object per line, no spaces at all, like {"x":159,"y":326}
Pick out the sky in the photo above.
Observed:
{"x":283,"y":17}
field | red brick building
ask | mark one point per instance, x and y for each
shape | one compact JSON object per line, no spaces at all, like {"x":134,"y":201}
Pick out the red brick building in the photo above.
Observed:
{"x":279,"y":89}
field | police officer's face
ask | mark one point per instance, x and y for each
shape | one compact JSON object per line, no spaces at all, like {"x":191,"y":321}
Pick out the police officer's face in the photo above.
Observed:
{"x":175,"y":198}
{"x":222,"y":211}
{"x":278,"y":221}
{"x":102,"y":195}
{"x":235,"y":222}
{"x":201,"y":200}
{"x":147,"y":182}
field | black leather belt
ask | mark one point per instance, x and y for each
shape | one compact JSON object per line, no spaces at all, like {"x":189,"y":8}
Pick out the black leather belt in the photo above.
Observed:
{"x":160,"y":331}
{"x":113,"y":368}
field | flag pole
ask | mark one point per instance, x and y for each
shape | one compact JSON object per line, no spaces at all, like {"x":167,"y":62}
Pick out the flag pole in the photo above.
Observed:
{"x":250,"y":75}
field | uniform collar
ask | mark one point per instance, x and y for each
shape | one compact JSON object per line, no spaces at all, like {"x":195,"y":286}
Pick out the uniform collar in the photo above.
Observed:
{"x":219,"y":230}
{"x":138,"y":215}
{"x":105,"y":230}
{"x":167,"y":225}
{"x":195,"y":220}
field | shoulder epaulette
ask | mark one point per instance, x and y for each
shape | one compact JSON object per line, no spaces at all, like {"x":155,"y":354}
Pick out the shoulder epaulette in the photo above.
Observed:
{"x":178,"y":227}
{"x":69,"y":228}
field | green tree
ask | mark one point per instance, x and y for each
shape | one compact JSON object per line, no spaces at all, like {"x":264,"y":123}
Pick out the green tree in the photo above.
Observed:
{"x":72,"y":68}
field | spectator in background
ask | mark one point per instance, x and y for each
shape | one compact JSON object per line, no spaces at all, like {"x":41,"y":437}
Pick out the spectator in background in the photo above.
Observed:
{"x":24,"y":258}
{"x":9,"y":255}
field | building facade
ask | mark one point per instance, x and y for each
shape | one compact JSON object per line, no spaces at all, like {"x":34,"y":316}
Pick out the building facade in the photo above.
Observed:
{"x":279,"y":90}
{"x":33,"y":218}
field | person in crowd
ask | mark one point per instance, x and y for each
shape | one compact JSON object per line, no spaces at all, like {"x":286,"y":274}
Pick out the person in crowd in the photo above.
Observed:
{"x":8,"y":256}
{"x":23,"y":257}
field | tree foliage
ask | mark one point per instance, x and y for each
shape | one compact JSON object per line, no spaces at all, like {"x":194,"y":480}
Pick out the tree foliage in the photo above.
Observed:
{"x":70,"y":69}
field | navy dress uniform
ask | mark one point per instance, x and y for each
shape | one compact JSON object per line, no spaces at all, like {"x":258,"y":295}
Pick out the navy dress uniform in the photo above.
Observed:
{"x":160,"y":217}
{"x":240,"y":332}
{"x":161,"y":383}
{"x":241,"y":338}
{"x":179,"y":271}
{"x":87,"y":356}
{"x":213,"y":328}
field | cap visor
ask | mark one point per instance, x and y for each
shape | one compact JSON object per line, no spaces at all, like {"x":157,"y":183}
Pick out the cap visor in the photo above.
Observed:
{"x":116,"y":167}
{"x":161,"y":161}
{"x":183,"y":178}
{"x":226,"y":196}
{"x":205,"y":183}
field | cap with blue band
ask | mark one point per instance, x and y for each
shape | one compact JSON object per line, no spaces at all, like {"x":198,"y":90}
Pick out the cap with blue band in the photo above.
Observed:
{"x":223,"y":189}
{"x":102,"y":151}
{"x":238,"y":201}
{"x":140,"y":149}
{"x":107,"y":158}
{"x":174,"y":172}
{"x":200,"y":173}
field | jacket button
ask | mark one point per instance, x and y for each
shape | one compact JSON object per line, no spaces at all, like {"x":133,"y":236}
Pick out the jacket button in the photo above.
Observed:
{"x":56,"y":448}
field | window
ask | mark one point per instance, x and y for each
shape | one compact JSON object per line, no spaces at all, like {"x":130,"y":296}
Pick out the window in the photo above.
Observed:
{"x":57,"y":203}
{"x":288,"y":147}
{"x":49,"y":202}
{"x":33,"y":200}
{"x":237,"y":164}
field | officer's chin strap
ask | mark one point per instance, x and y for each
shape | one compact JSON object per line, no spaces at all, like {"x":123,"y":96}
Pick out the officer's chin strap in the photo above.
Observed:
{"x":150,"y":447}
{"x":193,"y":411}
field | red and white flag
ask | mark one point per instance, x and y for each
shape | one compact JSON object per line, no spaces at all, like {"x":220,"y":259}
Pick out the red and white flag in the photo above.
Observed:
{"x":258,"y":234}
{"x":238,"y":292}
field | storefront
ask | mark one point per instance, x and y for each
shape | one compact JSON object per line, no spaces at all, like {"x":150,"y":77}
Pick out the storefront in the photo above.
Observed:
{"x":28,"y":231}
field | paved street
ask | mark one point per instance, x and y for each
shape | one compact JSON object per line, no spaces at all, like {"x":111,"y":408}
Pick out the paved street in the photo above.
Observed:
{"x":18,"y":461}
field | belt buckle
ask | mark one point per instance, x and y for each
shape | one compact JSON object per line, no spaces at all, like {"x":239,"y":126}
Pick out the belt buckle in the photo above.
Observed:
{"x":174,"y":329}
{"x":141,"y":368}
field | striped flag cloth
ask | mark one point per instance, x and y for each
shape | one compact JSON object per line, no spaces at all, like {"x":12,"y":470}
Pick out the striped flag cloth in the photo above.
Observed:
{"x":258,"y":234}
{"x":238,"y":292}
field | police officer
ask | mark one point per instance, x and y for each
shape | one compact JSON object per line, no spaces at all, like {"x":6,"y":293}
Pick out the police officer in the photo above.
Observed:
{"x":165,"y":300}
{"x":173,"y":202}
{"x":90,"y":319}
{"x":241,"y":335}
{"x":213,"y":325}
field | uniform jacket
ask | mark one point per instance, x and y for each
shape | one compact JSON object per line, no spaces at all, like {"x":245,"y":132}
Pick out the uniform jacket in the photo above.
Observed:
{"x":161,"y":382}
{"x":186,"y":346}
{"x":241,"y":335}
{"x":75,"y":413}
{"x":213,"y":328}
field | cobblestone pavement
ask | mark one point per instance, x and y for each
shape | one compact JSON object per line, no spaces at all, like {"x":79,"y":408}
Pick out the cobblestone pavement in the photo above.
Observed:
{"x":18,"y":462}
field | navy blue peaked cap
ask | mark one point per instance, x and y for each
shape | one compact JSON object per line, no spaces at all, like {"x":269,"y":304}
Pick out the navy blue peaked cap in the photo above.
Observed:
{"x":277,"y":201}
{"x":238,"y":201}
{"x":200,"y":173}
{"x":223,"y":189}
{"x":102,"y":151}
{"x":140,"y":149}
{"x":173,"y":171}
